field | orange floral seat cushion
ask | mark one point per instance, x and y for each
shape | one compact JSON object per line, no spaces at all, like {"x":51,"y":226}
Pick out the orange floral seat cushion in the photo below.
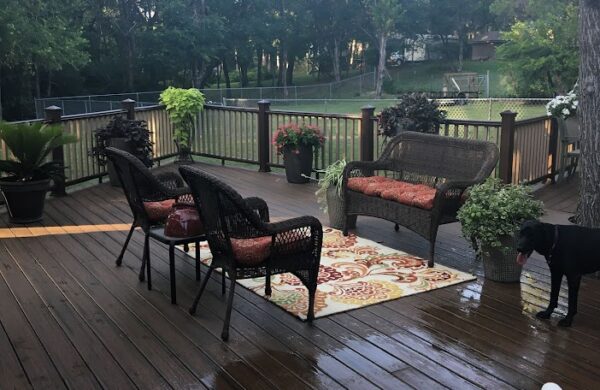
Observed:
{"x":159,"y":211}
{"x":360,"y":183}
{"x":251,"y":251}
{"x":417,"y":195}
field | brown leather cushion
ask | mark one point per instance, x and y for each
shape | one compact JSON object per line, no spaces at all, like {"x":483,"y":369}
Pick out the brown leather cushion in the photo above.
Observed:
{"x":417,"y":195}
{"x":159,"y":211}
{"x":251,"y":251}
{"x":360,"y":183}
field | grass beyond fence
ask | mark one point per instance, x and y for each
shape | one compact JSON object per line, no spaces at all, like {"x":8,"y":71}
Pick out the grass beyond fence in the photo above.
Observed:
{"x":467,"y":109}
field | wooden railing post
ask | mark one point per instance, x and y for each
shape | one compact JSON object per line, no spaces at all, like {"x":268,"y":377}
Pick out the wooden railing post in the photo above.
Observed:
{"x":53,"y":115}
{"x":507,"y":145}
{"x":129,"y":106}
{"x":553,"y":147}
{"x":263,"y":135}
{"x":367,"y":151}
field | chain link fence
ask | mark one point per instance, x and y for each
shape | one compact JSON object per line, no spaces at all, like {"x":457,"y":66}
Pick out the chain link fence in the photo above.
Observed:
{"x":353,"y":86}
{"x":459,"y":109}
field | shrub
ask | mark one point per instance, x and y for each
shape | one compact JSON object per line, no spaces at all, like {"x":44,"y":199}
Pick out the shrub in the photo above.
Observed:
{"x":292,"y":136}
{"x":136,"y":134}
{"x":413,"y":112}
{"x":494,"y":210}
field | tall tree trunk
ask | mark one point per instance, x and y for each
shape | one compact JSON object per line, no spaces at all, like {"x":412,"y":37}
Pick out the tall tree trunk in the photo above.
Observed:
{"x":49,"y":85}
{"x":381,"y":65}
{"x":589,"y":112}
{"x":281,"y":69}
{"x":1,"y":117}
{"x":336,"y":59}
{"x":130,"y":62}
{"x":226,"y":76}
{"x":36,"y":75}
{"x":289,"y":76}
{"x":461,"y":47}
{"x":259,"y":59}
{"x":243,"y":74}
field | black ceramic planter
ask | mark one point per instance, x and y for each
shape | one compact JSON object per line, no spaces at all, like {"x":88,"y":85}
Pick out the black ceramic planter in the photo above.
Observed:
{"x":298,"y":162}
{"x":24,"y":200}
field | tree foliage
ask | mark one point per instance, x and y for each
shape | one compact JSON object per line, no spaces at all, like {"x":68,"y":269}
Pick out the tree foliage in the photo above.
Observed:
{"x":78,"y":47}
{"x":541,"y":56}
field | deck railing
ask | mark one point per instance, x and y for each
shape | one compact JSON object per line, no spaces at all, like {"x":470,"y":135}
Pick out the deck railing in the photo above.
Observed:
{"x":529,"y":149}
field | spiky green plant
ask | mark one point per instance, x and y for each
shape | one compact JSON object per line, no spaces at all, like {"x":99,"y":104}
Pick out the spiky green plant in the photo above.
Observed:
{"x":30,"y":145}
{"x":331,"y":177}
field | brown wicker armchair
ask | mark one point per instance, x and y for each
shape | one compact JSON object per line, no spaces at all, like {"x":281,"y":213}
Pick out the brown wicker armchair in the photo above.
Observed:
{"x":430,"y":175}
{"x":145,"y":193}
{"x":246,"y":245}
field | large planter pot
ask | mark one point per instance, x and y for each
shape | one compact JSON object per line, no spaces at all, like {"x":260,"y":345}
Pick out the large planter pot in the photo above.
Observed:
{"x":335,"y":210}
{"x":298,"y":164}
{"x":499,"y":265}
{"x":24,"y":200}
{"x":184,"y":154}
{"x":117,"y":143}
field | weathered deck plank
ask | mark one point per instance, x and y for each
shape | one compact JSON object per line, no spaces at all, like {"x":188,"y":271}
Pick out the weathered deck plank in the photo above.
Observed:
{"x":64,"y":293}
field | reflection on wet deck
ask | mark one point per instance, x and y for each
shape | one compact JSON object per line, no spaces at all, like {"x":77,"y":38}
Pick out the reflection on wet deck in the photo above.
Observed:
{"x":70,"y":318}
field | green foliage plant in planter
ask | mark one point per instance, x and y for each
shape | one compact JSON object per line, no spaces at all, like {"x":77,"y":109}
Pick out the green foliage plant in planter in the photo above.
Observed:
{"x":329,"y":194}
{"x":29,"y":173}
{"x":296,"y":143}
{"x":413,"y":112}
{"x":183,"y":105}
{"x":129,"y":135}
{"x":490,"y":218}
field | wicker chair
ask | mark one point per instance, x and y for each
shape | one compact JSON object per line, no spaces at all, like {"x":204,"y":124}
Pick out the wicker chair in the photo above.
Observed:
{"x":246,"y":245}
{"x":143,"y":188}
{"x":447,"y":165}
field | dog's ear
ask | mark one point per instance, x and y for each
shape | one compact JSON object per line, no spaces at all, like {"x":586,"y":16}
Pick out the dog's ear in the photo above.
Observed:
{"x":547,"y":234}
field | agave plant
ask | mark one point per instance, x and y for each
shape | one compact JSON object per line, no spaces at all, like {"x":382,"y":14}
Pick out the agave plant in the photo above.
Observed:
{"x":30,"y":145}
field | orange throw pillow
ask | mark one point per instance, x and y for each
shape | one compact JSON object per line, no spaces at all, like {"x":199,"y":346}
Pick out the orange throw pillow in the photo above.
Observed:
{"x":360,"y":183}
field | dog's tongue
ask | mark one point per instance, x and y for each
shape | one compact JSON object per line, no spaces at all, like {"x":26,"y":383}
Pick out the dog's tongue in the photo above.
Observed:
{"x":521,"y":258}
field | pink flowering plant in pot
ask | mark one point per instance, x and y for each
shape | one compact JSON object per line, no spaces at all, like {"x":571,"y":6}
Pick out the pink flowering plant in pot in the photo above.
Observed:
{"x":297,"y":144}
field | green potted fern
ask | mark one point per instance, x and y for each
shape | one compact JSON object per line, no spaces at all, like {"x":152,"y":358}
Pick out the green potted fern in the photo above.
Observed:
{"x":183,"y":105}
{"x":490,"y":219}
{"x":329,"y":195}
{"x":29,"y":174}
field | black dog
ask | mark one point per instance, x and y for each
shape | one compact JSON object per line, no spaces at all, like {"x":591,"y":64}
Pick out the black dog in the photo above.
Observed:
{"x":571,"y":251}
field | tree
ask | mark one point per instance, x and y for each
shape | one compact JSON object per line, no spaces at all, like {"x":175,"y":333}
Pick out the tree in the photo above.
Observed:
{"x":384,"y":15}
{"x":540,"y":56}
{"x":589,"y":112}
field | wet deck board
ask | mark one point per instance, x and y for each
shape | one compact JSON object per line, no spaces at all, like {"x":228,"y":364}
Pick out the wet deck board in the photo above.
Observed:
{"x":70,"y":318}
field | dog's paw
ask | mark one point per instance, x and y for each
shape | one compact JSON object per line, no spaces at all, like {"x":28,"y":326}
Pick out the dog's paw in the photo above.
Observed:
{"x":565,"y":322}
{"x":544,"y":314}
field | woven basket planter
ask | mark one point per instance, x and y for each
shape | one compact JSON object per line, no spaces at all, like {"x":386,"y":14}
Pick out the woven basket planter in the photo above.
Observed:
{"x":335,"y":210}
{"x":499,"y":265}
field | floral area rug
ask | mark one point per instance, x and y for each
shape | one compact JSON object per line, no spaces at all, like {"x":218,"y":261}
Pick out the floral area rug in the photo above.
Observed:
{"x":354,"y":273}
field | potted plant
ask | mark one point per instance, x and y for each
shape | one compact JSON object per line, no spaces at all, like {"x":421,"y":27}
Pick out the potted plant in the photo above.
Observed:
{"x":564,"y":109}
{"x":129,"y":135}
{"x":490,"y":218}
{"x":329,"y":195}
{"x":29,"y":174}
{"x":413,"y":112}
{"x":183,"y":105}
{"x":297,"y":144}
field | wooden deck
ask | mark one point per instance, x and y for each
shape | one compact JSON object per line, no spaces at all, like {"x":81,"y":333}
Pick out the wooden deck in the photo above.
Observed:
{"x":70,"y":319}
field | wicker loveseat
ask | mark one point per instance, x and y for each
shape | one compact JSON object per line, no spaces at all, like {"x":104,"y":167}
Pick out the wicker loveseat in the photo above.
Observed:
{"x":419,"y":181}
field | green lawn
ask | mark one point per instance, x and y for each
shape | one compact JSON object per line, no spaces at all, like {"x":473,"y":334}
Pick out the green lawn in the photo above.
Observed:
{"x":473,"y":110}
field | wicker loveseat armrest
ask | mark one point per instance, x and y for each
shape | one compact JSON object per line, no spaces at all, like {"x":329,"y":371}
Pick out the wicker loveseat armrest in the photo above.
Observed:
{"x":258,"y":204}
{"x":366,"y":168}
